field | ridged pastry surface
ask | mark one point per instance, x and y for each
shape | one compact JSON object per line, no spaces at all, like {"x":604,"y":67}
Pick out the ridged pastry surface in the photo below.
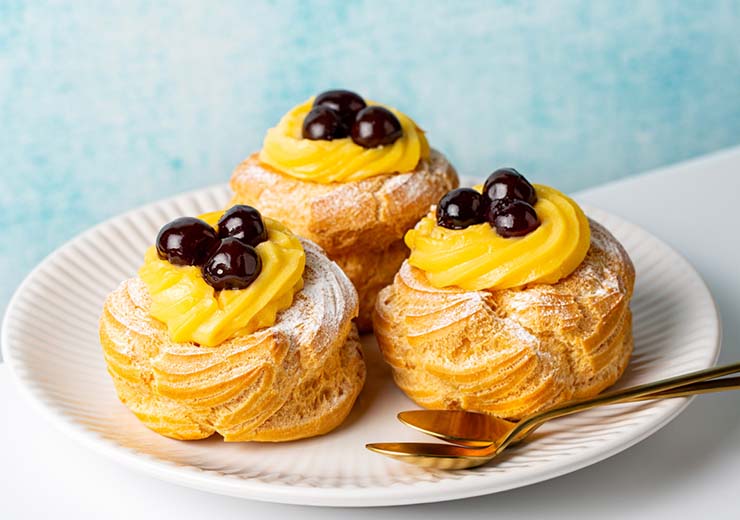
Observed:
{"x":359,"y":224}
{"x":515,"y":351}
{"x":295,"y":379}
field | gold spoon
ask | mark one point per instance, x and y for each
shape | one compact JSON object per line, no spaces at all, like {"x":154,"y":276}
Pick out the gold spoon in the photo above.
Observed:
{"x":479,"y":430}
{"x":493,"y":436}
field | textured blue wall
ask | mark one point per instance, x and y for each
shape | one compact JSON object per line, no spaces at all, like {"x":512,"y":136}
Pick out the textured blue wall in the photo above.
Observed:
{"x":105,"y":107}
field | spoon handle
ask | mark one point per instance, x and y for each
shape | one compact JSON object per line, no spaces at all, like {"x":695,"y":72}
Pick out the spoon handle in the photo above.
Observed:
{"x":703,"y":387}
{"x":641,"y":392}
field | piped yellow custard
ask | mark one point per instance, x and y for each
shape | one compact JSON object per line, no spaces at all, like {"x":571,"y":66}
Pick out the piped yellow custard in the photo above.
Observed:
{"x":477,"y":258}
{"x":195,"y":312}
{"x":339,"y":160}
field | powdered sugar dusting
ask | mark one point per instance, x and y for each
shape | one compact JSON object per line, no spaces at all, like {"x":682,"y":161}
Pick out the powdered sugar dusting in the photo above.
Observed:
{"x":597,"y":278}
{"x":374,"y":212}
{"x":510,"y":352}
{"x":326,"y":303}
{"x":234,"y":387}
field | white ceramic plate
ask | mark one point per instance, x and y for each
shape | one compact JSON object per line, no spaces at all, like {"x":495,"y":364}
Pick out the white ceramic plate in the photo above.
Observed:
{"x":50,"y":340}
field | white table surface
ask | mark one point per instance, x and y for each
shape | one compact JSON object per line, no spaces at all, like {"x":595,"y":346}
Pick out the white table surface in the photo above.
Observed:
{"x":690,"y":468}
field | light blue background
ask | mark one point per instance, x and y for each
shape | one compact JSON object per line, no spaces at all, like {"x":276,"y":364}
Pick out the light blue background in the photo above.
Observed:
{"x":104,"y":106}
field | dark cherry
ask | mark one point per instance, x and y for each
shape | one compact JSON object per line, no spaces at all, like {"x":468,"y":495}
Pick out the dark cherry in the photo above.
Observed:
{"x":512,"y":217}
{"x":376,"y":126}
{"x":243,"y":222}
{"x":460,"y":208}
{"x":323,"y":123}
{"x":345,"y":102}
{"x":507,"y":183}
{"x":186,"y":241}
{"x":233,"y":265}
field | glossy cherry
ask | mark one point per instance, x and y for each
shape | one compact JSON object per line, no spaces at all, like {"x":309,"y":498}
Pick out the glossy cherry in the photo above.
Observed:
{"x":376,"y":126}
{"x":186,"y":241}
{"x":243,"y":222}
{"x":460,"y":208}
{"x":233,"y":265}
{"x":512,"y":218}
{"x":507,"y":183}
{"x":344,"y":102}
{"x":323,"y":124}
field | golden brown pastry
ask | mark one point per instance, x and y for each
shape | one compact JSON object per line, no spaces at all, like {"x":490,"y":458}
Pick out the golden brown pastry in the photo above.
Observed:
{"x":356,"y":202}
{"x":512,"y":349}
{"x":290,"y":367}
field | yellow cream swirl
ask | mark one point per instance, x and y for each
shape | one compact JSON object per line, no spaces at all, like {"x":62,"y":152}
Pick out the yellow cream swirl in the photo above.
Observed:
{"x":478,"y":258}
{"x":340,"y":160}
{"x":194,"y":311}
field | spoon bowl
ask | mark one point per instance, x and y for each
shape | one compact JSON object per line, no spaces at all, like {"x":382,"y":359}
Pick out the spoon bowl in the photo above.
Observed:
{"x":468,"y":429}
{"x":431,"y":455}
